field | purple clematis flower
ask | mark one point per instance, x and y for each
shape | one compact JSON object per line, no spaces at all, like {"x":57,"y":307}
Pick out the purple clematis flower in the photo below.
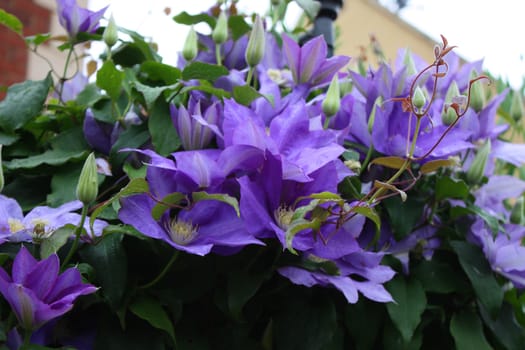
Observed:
{"x":309,"y":64}
{"x":363,"y":264}
{"x":40,"y":222}
{"x":195,"y":230}
{"x":505,"y":252}
{"x":76,"y":19}
{"x":196,"y":125}
{"x":303,"y":147}
{"x":37,"y":292}
{"x":196,"y":227}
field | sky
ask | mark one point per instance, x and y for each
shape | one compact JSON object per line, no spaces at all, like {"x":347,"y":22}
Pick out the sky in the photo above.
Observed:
{"x":482,"y":29}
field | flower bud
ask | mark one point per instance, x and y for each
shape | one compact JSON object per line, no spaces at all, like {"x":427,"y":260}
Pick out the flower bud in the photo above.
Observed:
{"x":220,"y":32}
{"x":419,"y":99}
{"x":189,"y":51}
{"x":87,"y":188}
{"x":110,"y":35}
{"x":516,"y":108}
{"x":256,"y":43}
{"x":477,"y":93}
{"x":2,"y":180}
{"x":448,"y":116}
{"x":477,"y":169}
{"x":517,"y":216}
{"x":409,"y":63}
{"x":332,"y":101}
{"x":453,"y":91}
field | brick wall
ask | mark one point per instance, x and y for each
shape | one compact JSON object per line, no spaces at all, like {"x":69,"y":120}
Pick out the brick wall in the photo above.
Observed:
{"x":13,"y":52}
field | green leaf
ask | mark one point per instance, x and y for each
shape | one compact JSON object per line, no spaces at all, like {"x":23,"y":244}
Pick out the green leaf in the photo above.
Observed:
{"x":11,"y":22}
{"x":151,"y":94}
{"x":38,"y":39}
{"x":447,"y":187}
{"x":434,"y":165}
{"x":504,"y":327}
{"x":220,"y":93}
{"x":310,"y":7}
{"x":63,"y":184}
{"x":410,"y":302}
{"x":404,"y":216}
{"x":161,"y":72}
{"x":350,"y":188}
{"x":238,"y":26}
{"x":8,"y":139}
{"x":151,"y":311}
{"x":133,"y":137}
{"x":89,"y":96}
{"x":205,"y":71}
{"x":439,"y":277}
{"x":245,"y":94}
{"x":221,"y":197}
{"x":108,"y":258}
{"x":166,"y":203}
{"x":305,"y":324}
{"x":23,"y":102}
{"x":297,"y":226}
{"x":187,"y":19}
{"x":109,"y":78}
{"x":467,"y":330}
{"x":390,"y":162}
{"x":57,"y":240}
{"x":475,"y":265}
{"x":365,"y":334}
{"x":50,"y":157}
{"x":164,"y":136}
{"x":242,"y":286}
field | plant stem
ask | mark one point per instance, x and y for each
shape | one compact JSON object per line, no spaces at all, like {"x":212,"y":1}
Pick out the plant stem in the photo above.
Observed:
{"x":63,"y":78}
{"x":78,"y":232}
{"x":162,"y":273}
{"x":218,"y":54}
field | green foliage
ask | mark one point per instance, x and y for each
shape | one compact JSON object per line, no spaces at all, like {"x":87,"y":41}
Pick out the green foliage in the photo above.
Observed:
{"x":23,"y":102}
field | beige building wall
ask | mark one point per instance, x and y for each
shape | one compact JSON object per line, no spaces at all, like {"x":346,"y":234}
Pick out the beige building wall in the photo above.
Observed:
{"x":359,"y":19}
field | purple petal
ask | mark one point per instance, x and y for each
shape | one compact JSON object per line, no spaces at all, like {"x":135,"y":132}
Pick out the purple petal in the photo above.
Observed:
{"x":22,"y":265}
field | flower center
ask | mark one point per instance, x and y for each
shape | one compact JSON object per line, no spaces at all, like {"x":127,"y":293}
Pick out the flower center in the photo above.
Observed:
{"x":283,"y":216}
{"x":181,"y":232}
{"x":41,"y":230}
{"x":15,"y":225}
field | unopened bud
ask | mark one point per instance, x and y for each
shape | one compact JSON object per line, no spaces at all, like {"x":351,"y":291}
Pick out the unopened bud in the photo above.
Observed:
{"x":189,"y":51}
{"x":220,"y":32}
{"x":517,"y":216}
{"x":332,"y":100}
{"x":419,"y":99}
{"x":516,"y":108}
{"x":409,"y":63}
{"x":453,"y":91}
{"x":477,"y":93}
{"x":256,"y":43}
{"x":2,"y":181}
{"x":110,"y":35}
{"x":448,"y":116}
{"x":477,"y":169}
{"x":87,"y":188}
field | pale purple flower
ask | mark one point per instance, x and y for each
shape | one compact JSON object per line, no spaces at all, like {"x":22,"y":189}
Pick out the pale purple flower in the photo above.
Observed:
{"x":76,"y":19}
{"x":366,"y":265}
{"x":196,"y":124}
{"x":37,"y":292}
{"x":40,"y":222}
{"x":504,"y":252}
{"x":309,"y":64}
